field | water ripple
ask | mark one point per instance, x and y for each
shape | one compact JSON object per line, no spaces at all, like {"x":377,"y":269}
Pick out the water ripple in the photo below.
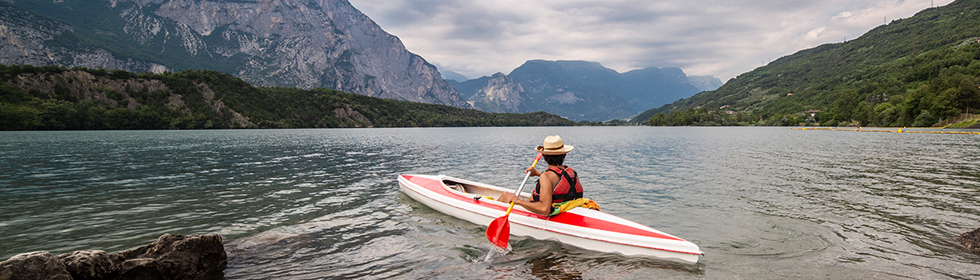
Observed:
{"x":307,"y":204}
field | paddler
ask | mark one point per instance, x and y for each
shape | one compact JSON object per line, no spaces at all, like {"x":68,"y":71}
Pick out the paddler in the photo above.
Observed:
{"x":556,"y":184}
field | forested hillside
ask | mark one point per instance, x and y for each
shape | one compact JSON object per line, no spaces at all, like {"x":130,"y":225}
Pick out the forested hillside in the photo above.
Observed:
{"x":910,"y":72}
{"x":57,"y":98}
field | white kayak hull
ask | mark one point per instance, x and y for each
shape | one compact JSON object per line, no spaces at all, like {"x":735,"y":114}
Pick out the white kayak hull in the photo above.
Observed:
{"x":581,"y":227}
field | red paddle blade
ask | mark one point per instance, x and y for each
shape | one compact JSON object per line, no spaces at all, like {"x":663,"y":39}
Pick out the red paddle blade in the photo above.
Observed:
{"x":499,"y":232}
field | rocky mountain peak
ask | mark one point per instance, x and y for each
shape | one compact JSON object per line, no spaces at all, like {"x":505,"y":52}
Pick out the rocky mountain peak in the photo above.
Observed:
{"x":283,"y":43}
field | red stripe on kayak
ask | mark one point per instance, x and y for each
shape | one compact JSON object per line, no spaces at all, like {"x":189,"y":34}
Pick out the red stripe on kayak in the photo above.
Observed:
{"x":564,"y":218}
{"x":589,"y":222}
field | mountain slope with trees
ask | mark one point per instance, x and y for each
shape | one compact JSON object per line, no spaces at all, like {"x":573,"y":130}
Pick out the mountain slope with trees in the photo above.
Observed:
{"x":57,"y":98}
{"x":910,"y":72}
{"x":275,"y":43}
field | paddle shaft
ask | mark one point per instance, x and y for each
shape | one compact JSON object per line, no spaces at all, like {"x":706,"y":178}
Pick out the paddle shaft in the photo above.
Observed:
{"x":521,"y":188}
{"x":518,"y":193}
{"x":498,"y":231}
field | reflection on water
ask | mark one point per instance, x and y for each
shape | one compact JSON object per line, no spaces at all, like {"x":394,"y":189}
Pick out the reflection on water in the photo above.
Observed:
{"x":306,"y":204}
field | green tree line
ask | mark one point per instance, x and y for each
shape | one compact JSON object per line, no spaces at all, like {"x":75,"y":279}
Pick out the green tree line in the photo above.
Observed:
{"x":193,"y":99}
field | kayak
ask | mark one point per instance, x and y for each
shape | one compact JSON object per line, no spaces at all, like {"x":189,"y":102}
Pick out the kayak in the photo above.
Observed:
{"x":580,"y":226}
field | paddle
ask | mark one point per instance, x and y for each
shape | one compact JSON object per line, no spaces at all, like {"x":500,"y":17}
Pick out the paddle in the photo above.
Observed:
{"x":499,"y":230}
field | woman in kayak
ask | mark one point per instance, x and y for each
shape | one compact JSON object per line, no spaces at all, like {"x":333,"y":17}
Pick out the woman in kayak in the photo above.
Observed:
{"x":557,"y":184}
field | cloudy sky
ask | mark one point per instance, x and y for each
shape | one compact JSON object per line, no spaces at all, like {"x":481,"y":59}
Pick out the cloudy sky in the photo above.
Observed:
{"x":721,"y":38}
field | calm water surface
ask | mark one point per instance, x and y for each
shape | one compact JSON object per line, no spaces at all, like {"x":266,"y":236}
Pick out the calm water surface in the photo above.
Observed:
{"x":307,"y":204}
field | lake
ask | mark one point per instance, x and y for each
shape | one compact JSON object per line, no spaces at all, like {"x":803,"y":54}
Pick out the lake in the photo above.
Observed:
{"x":761,"y":202}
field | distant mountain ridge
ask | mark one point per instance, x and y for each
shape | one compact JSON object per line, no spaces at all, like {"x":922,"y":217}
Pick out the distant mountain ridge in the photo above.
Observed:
{"x":450,"y":75}
{"x":579,"y":90}
{"x":705,"y":83}
{"x":304,"y":44}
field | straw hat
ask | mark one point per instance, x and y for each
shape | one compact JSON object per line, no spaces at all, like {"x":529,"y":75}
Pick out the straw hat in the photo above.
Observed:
{"x":553,"y":145}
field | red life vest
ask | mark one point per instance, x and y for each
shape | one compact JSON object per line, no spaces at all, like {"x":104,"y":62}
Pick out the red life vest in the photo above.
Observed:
{"x":563,"y":190}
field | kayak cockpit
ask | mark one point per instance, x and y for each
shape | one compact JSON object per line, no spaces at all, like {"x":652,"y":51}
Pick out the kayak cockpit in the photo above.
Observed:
{"x":470,"y":189}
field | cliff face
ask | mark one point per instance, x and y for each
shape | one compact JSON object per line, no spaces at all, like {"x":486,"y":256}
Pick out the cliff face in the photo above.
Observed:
{"x":283,"y":43}
{"x":502,"y":94}
{"x":27,"y":38}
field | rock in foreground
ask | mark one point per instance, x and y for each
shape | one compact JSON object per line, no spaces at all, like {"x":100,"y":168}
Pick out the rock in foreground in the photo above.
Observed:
{"x":169,"y":257}
{"x":34,"y":265}
{"x":970,"y":240}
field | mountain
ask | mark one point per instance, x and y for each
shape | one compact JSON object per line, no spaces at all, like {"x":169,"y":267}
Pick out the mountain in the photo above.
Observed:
{"x":281,"y":43}
{"x":29,"y":38}
{"x":556,"y":87}
{"x":57,"y":98}
{"x":651,"y":87}
{"x":467,"y":89}
{"x":910,"y":72}
{"x":450,"y":75}
{"x":501,"y":94}
{"x":578,"y":90}
{"x":705,"y":83}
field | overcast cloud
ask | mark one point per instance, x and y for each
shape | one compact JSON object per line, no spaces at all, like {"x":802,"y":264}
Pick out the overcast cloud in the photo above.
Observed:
{"x":721,"y":38}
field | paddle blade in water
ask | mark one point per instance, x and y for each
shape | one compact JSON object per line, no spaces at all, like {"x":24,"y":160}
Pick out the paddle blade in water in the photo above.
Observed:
{"x":499,"y":232}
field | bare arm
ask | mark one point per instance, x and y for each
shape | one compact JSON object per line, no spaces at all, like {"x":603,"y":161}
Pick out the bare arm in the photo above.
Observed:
{"x":543,"y":207}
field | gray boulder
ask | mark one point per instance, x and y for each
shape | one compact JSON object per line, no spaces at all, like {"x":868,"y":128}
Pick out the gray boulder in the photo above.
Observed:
{"x":146,"y":269}
{"x":178,"y":256}
{"x":34,"y":265}
{"x":96,"y":264}
{"x":169,"y":257}
{"x":970,"y":240}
